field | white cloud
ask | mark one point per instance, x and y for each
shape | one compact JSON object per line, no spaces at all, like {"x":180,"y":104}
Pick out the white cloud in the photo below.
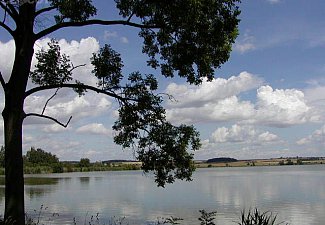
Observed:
{"x":79,"y":52}
{"x":267,"y":137}
{"x":95,"y":128}
{"x":124,"y":40}
{"x":317,"y":137}
{"x":245,"y":44}
{"x":55,"y":128}
{"x":62,"y":108}
{"x":244,"y":134}
{"x":7,"y":58}
{"x":281,"y":107}
{"x":110,"y":34}
{"x":224,"y":110}
{"x":219,"y":101}
{"x":274,"y":1}
{"x":214,"y":91}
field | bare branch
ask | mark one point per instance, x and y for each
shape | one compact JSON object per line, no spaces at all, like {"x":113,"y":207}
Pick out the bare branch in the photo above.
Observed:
{"x":4,"y":17}
{"x":7,"y":28}
{"x":90,"y":22}
{"x":50,"y":118}
{"x":169,"y":96}
{"x":39,"y":12}
{"x":75,"y":67}
{"x":2,"y":81}
{"x":10,"y":9}
{"x":48,"y":100}
{"x":130,"y":17}
{"x":80,"y":86}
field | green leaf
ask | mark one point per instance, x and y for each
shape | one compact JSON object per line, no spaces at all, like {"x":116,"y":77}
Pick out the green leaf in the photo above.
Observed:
{"x":107,"y":68}
{"x":52,"y":67}
{"x":73,"y":10}
{"x":194,"y":36}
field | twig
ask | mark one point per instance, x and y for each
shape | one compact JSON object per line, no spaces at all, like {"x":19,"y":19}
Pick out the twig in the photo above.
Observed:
{"x":50,"y":118}
{"x":49,"y":100}
{"x":75,"y":67}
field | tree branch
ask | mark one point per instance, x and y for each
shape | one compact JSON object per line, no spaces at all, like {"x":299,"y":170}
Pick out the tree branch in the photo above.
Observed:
{"x":2,"y":81}
{"x":89,"y":22}
{"x":39,"y":12}
{"x":50,"y":118}
{"x":48,"y":100}
{"x":10,"y":9}
{"x":75,"y":67}
{"x":76,"y":86}
{"x":7,"y":28}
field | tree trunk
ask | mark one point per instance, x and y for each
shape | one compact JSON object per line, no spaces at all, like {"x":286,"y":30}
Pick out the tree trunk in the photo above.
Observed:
{"x":14,"y":180}
{"x":13,"y":114}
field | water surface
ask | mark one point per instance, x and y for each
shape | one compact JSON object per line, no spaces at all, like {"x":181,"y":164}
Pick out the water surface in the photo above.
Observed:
{"x":295,"y":193}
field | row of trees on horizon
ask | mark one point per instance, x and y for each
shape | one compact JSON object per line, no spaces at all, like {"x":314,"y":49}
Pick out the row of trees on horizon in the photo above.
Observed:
{"x":39,"y":157}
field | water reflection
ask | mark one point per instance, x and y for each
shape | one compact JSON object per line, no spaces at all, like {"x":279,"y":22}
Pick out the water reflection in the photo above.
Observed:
{"x":84,"y":181}
{"x":296,"y":194}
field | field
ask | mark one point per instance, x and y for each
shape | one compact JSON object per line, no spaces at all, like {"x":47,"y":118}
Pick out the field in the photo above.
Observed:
{"x":263,"y":162}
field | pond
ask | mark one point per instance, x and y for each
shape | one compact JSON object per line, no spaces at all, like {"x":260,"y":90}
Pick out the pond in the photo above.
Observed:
{"x":295,"y":193}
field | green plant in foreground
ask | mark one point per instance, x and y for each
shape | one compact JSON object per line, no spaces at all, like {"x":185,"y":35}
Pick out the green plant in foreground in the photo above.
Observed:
{"x":251,"y":217}
{"x":255,"y":217}
{"x":207,"y":218}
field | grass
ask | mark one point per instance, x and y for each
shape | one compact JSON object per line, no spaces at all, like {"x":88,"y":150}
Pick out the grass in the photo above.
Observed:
{"x":251,"y":217}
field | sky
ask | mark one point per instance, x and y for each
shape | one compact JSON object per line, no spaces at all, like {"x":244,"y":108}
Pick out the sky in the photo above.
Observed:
{"x":267,"y":101}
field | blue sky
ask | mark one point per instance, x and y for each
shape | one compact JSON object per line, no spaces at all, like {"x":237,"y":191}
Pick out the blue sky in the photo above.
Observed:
{"x":266,"y":101}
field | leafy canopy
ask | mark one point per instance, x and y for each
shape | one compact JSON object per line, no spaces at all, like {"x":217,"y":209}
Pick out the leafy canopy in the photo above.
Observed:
{"x":195,"y":36}
{"x":188,"y":38}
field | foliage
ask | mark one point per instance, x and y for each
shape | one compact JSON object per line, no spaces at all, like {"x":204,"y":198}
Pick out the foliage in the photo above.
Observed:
{"x":256,"y":217}
{"x":186,"y":38}
{"x":299,"y":162}
{"x":84,"y":162}
{"x":39,"y":156}
{"x":73,"y":10}
{"x":52,"y":67}
{"x":107,"y":67}
{"x":57,"y":168}
{"x":207,"y":218}
{"x":195,"y":36}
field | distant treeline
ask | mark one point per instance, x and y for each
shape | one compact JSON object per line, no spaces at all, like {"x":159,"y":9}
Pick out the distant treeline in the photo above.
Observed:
{"x":221,"y":160}
{"x":38,"y":161}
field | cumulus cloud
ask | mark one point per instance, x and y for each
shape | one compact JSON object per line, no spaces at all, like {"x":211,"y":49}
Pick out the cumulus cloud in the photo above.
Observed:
{"x":223,"y":110}
{"x":317,"y":137}
{"x":281,"y":107}
{"x":220,"y":101}
{"x":62,"y":109}
{"x":7,"y":58}
{"x":55,"y":128}
{"x":244,"y":134}
{"x":214,"y":91}
{"x":79,"y":52}
{"x":95,"y":128}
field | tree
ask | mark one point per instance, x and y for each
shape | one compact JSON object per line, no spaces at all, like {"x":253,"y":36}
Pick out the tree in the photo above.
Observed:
{"x":186,"y":38}
{"x":84,"y":162}
{"x":39,"y":156}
